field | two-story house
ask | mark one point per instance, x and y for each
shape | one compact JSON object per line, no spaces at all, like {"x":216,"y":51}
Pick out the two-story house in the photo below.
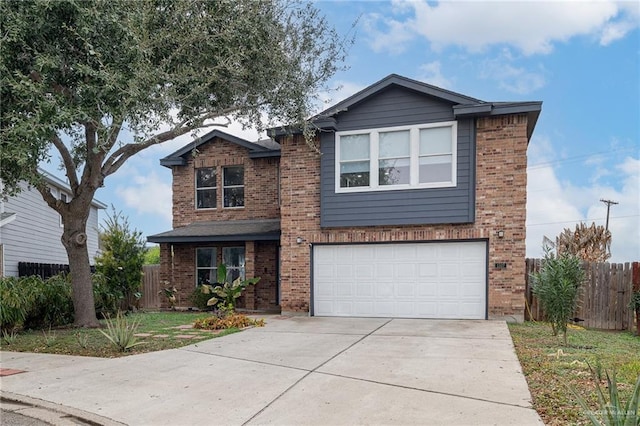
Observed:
{"x":411,"y":203}
{"x":31,"y":231}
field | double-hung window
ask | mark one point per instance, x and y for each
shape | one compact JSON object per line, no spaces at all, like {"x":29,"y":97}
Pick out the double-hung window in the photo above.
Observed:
{"x":206,"y":265}
{"x":407,"y":157}
{"x":206,"y":188}
{"x":233,"y":186}
{"x":233,"y":259}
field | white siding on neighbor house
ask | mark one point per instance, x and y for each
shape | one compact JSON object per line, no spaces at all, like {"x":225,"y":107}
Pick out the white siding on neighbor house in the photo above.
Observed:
{"x":34,"y":235}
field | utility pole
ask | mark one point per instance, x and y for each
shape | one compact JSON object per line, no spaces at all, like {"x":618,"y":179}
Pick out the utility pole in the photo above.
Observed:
{"x":608,"y":203}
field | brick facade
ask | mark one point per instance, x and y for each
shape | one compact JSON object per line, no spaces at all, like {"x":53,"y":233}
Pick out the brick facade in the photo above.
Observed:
{"x":289,"y":188}
{"x":500,"y":206}
{"x":261,"y":197}
{"x":260,"y":185}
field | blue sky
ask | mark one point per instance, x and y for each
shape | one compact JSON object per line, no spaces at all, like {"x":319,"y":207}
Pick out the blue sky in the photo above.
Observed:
{"x":582,"y":59}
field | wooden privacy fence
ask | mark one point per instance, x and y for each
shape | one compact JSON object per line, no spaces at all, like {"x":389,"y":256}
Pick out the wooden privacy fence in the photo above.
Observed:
{"x":604,"y":297}
{"x":150,"y":287}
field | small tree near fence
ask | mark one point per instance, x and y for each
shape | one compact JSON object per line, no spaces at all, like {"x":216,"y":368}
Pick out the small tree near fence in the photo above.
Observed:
{"x":120,"y":264}
{"x":556,"y":286}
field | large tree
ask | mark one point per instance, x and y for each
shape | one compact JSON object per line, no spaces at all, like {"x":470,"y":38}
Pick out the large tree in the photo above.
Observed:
{"x":95,"y":82}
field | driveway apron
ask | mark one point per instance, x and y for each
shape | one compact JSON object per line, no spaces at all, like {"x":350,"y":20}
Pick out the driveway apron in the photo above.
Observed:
{"x":299,"y":370}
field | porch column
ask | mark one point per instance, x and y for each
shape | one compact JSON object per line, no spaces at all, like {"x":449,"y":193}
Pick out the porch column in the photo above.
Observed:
{"x":250,"y":272}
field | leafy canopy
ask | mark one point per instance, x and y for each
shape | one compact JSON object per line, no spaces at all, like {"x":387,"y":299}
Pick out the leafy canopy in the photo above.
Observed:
{"x":101,"y":80}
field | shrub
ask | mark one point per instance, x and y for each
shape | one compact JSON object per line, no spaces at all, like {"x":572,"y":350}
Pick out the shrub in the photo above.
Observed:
{"x":106,"y":298}
{"x":121,"y":332}
{"x":225,"y":292}
{"x":31,"y":302}
{"x":14,"y":303}
{"x":232,"y":320}
{"x":612,"y":410}
{"x":120,"y":264}
{"x":52,"y":303}
{"x":556,"y":286}
{"x":199,"y":299}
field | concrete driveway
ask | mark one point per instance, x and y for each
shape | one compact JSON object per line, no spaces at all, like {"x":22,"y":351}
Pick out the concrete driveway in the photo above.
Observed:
{"x":299,"y":370}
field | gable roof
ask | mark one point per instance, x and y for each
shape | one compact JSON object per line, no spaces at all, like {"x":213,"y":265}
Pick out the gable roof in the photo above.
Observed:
{"x":463,"y":106}
{"x":259,"y":149}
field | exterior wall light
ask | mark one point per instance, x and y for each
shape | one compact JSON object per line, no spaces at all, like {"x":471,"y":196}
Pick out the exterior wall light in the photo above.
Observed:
{"x":500,"y":234}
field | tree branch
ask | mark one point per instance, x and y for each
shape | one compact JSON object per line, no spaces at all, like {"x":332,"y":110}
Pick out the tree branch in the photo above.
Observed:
{"x":67,"y":159}
{"x":115,"y":160}
{"x":45,"y":191}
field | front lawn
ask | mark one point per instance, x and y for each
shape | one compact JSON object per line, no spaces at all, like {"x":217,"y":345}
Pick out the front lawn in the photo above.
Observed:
{"x":157,"y":331}
{"x":550,"y":367}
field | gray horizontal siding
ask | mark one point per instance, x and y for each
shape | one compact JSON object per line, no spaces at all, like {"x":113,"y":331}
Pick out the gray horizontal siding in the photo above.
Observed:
{"x":34,"y":235}
{"x":399,"y":107}
{"x":395,"y":107}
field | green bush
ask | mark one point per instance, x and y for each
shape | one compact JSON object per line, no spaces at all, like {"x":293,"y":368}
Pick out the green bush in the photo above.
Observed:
{"x":30,"y":302}
{"x":14,"y":303}
{"x":557,"y":286}
{"x":199,"y":299}
{"x":52,"y":303}
{"x":120,"y":263}
{"x":106,"y":298}
{"x":121,"y":332}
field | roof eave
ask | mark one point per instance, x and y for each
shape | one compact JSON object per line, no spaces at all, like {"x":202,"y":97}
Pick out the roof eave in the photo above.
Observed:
{"x":265,"y":154}
{"x":268,"y":236}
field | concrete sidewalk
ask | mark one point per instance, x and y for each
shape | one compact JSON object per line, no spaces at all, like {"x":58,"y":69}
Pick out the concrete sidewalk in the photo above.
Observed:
{"x":298,"y":371}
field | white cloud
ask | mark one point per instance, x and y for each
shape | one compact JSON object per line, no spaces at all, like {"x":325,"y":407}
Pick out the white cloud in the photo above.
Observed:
{"x":519,"y":80}
{"x":533,"y":27}
{"x":432,"y":74}
{"x":148,"y":195}
{"x":392,"y":40}
{"x":553,"y":205}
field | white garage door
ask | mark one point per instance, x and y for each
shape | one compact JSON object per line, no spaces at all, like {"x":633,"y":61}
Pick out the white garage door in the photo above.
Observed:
{"x":409,"y":280}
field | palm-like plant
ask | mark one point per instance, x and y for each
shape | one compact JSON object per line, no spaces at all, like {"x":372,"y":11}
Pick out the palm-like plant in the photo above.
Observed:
{"x":590,"y":243}
{"x":225,"y":291}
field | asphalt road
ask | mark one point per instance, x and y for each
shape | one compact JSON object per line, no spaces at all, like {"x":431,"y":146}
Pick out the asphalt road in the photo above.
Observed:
{"x":9,"y":418}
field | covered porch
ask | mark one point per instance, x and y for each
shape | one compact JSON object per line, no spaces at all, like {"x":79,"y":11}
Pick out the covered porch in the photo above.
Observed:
{"x":190,"y":255}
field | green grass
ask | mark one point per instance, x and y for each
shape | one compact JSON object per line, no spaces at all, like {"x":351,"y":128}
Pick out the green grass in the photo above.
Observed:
{"x":550,"y":367}
{"x":90,"y":342}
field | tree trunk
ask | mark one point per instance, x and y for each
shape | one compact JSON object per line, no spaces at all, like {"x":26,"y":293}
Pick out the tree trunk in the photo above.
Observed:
{"x":74,"y":239}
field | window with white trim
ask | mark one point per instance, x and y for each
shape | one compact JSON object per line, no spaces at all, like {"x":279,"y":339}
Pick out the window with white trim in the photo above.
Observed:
{"x":407,"y":157}
{"x":233,"y":259}
{"x":206,"y":188}
{"x":206,"y":265}
{"x":233,"y":186}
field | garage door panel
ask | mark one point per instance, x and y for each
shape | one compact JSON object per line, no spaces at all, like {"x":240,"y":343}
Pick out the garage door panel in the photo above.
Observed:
{"x":364,"y":290}
{"x":405,"y":289}
{"x":427,"y":290}
{"x":411,"y":280}
{"x":384,"y":289}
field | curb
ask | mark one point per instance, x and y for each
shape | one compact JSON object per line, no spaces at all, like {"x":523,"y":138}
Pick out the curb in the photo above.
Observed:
{"x":51,"y":413}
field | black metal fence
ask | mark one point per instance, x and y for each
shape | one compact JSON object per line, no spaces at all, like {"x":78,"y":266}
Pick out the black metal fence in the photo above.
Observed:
{"x":43,"y":270}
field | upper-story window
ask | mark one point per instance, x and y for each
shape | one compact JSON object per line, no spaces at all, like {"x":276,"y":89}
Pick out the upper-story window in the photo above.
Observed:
{"x":233,"y":186}
{"x":206,"y":188}
{"x":422,"y":156}
{"x":64,"y":199}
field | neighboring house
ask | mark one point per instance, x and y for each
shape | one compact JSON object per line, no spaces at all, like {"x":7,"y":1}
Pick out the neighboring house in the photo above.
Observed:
{"x":30,"y":230}
{"x":414,"y":207}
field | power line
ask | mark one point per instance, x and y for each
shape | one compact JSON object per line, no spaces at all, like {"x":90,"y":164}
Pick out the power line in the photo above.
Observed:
{"x":578,"y":157}
{"x":582,"y":220}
